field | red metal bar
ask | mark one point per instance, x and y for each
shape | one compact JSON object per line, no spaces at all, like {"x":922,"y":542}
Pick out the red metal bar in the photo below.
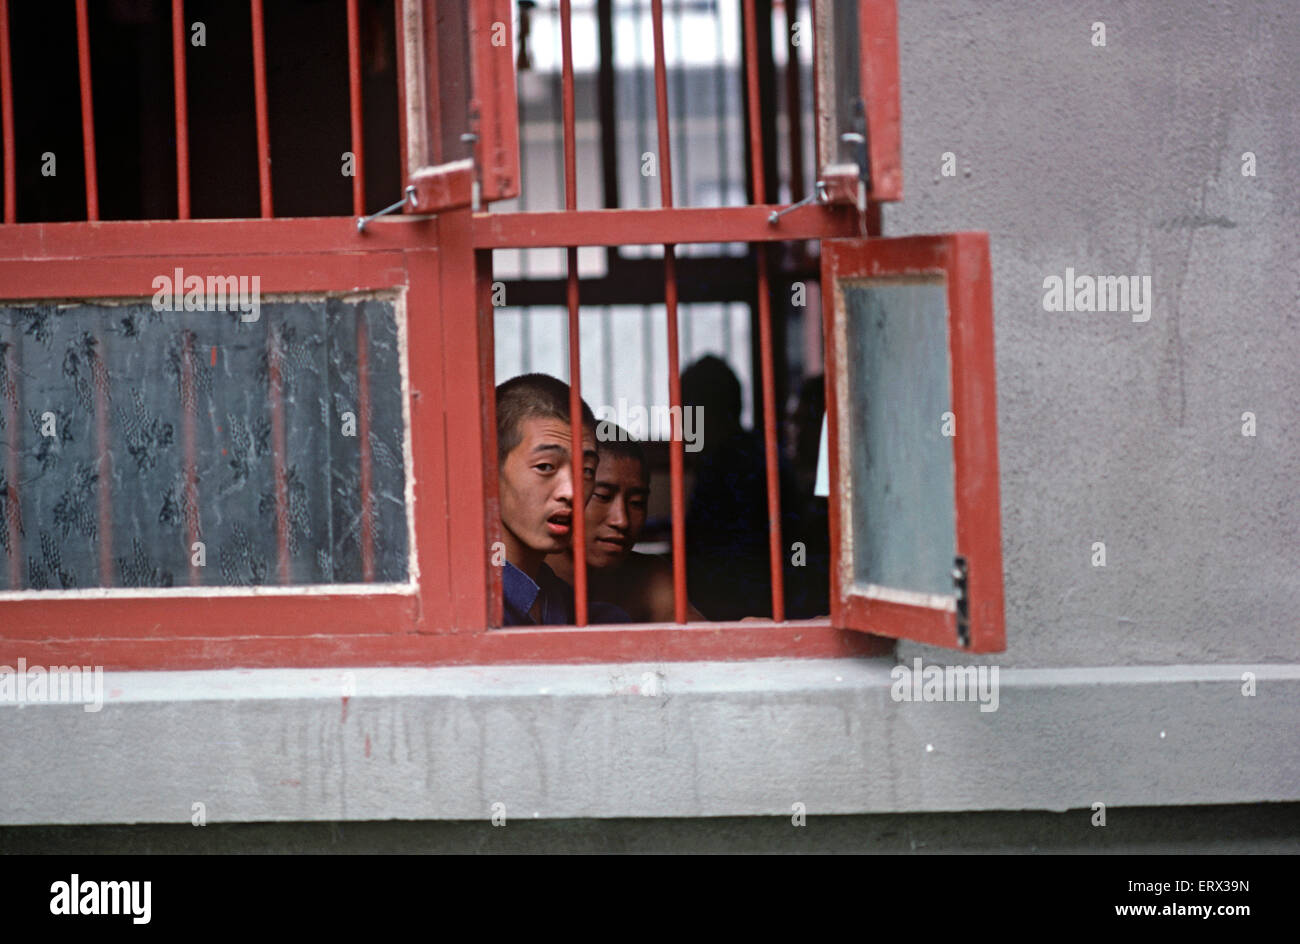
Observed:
{"x":675,"y":224}
{"x":764,"y":322}
{"x":87,"y":112}
{"x":182,"y":110}
{"x":117,"y":278}
{"x":334,"y":234}
{"x":363,"y":430}
{"x":259,"y":94}
{"x":184,"y":613}
{"x":675,"y":455}
{"x":7,"y":116}
{"x":576,"y":449}
{"x":661,"y":106}
{"x":575,"y":359}
{"x":354,"y":97}
{"x":569,"y":118}
{"x":303,"y":644}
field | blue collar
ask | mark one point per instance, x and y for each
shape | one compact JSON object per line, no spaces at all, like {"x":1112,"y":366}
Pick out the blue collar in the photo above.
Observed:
{"x":521,"y":592}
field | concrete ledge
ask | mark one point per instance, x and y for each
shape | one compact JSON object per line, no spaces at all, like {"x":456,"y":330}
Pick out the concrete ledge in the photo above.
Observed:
{"x":675,"y":739}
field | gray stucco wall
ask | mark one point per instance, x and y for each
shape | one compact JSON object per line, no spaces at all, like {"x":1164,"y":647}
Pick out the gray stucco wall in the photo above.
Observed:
{"x":1127,"y":160}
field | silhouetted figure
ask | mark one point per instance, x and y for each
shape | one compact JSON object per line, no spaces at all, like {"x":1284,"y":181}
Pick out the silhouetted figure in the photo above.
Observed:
{"x":727,"y":563}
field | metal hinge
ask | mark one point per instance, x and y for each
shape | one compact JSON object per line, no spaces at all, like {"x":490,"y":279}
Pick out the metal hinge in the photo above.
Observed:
{"x":960,"y":576}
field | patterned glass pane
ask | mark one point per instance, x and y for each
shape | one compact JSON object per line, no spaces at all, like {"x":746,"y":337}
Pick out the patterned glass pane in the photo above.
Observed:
{"x":146,"y":448}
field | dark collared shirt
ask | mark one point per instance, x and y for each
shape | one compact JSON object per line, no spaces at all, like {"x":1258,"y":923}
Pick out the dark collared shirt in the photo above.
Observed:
{"x":556,"y":600}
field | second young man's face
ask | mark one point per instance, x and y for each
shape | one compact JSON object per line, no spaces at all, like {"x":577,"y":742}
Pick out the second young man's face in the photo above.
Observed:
{"x":616,"y":511}
{"x":537,"y":488}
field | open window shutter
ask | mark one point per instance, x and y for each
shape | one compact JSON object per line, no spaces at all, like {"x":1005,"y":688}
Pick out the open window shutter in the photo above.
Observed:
{"x":912,"y":409}
{"x":459,"y":124}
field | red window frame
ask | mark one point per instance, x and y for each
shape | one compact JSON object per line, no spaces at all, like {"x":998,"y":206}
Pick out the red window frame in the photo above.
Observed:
{"x":120,"y":260}
{"x":446,"y":619}
{"x":962,"y":259}
{"x":442,"y":264}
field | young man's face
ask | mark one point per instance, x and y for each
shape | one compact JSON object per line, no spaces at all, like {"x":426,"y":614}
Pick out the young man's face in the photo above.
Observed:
{"x":537,"y":489}
{"x":616,"y":511}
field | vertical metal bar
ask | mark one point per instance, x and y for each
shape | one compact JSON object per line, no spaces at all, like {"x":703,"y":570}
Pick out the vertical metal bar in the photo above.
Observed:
{"x":363,"y":429}
{"x":259,"y":95}
{"x":575,"y":421}
{"x":182,"y":111}
{"x":675,"y":456}
{"x":7,"y":117}
{"x":87,"y":112}
{"x":764,"y":321}
{"x":354,"y":96}
{"x":575,"y":359}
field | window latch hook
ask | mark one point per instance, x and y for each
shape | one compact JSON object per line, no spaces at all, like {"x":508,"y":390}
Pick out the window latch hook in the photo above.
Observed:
{"x":408,"y":196}
{"x":776,"y":215}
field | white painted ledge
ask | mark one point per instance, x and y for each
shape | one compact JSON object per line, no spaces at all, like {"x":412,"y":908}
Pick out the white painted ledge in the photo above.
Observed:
{"x":709,"y":739}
